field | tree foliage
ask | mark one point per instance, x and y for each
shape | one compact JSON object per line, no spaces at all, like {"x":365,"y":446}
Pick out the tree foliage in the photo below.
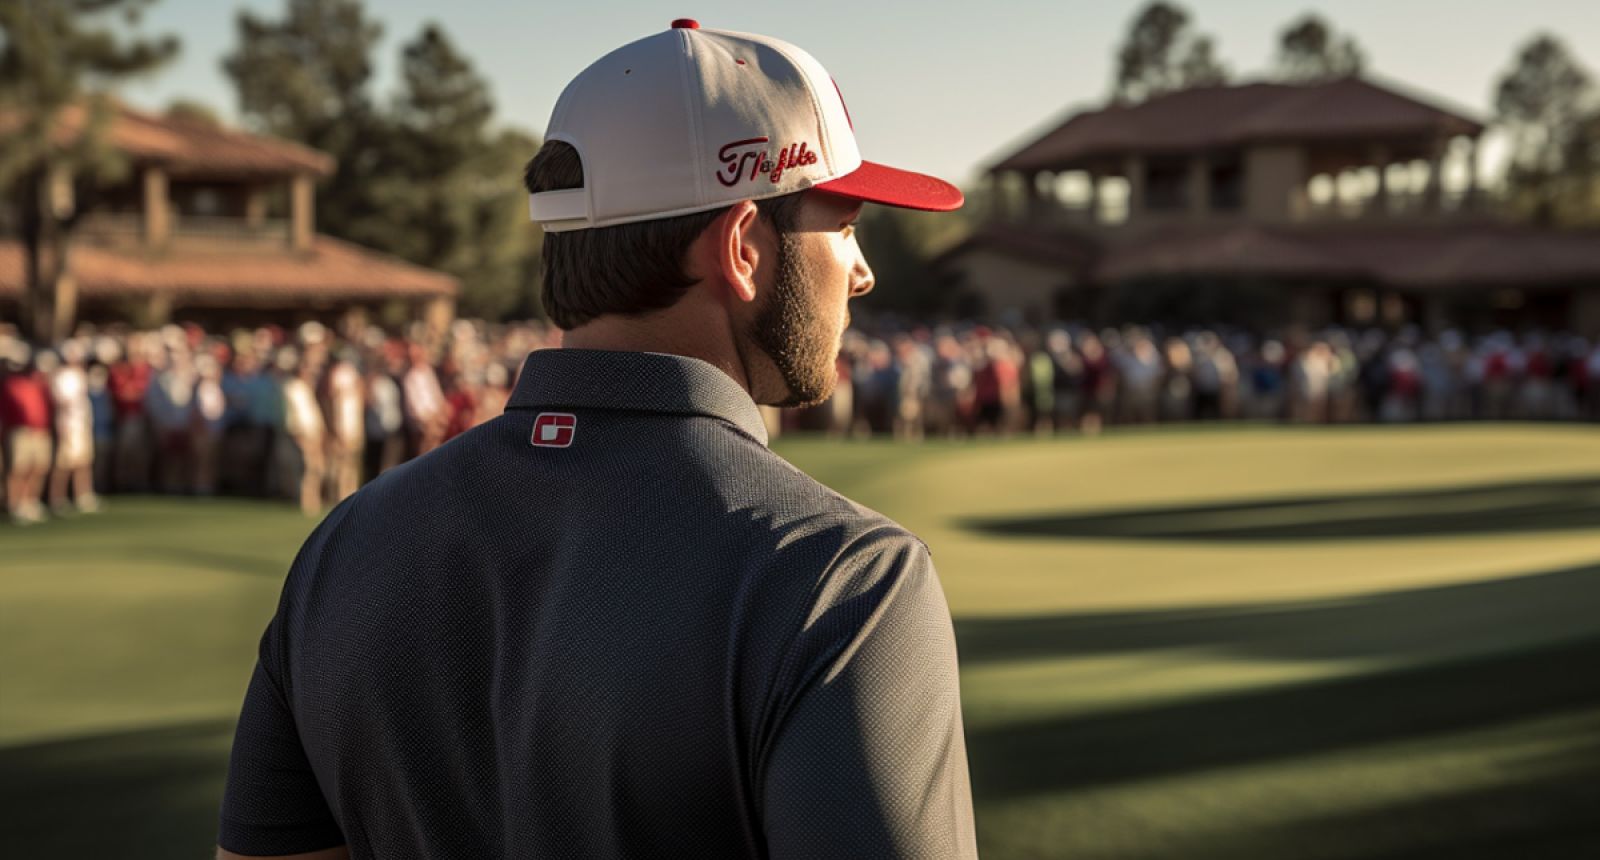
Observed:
{"x":899,"y":245}
{"x":58,"y":56}
{"x":423,"y":176}
{"x":1547,"y":103}
{"x":1309,"y":51}
{"x":1163,"y":54}
{"x":307,"y":78}
{"x":466,"y":215}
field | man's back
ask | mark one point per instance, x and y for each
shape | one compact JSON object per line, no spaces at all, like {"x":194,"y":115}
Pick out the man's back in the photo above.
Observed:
{"x":634,"y":633}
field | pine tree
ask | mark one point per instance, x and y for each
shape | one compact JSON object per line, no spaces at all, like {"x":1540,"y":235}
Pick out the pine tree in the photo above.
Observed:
{"x":466,"y":216}
{"x":1547,"y":102}
{"x":53,"y":55}
{"x":1162,"y":54}
{"x":307,"y":78}
{"x":1309,"y":51}
{"x":421,"y":177}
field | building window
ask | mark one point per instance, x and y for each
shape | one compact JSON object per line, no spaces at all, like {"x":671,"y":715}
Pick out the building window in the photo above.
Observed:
{"x":1227,"y":185}
{"x":1166,"y":184}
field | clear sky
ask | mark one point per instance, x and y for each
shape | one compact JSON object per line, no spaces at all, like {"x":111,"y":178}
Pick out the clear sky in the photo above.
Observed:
{"x":936,"y":86}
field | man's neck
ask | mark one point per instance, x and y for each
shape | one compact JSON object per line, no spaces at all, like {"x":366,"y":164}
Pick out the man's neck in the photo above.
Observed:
{"x":667,"y":332}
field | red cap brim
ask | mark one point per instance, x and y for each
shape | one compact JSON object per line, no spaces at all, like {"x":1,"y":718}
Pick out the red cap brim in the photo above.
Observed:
{"x":891,"y":186}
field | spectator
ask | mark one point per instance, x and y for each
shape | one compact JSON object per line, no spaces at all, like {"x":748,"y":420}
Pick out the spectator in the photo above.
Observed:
{"x":344,"y":404}
{"x":74,"y":425}
{"x":207,"y":423}
{"x":223,"y":424}
{"x":25,"y":422}
{"x":105,"y":425}
{"x":385,"y":415}
{"x":1066,"y":380}
{"x":304,"y":429}
{"x":130,"y":381}
{"x":168,"y":408}
{"x":427,"y":414}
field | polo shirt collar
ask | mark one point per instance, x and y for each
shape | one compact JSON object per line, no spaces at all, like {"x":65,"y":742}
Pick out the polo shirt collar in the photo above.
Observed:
{"x":635,"y":382}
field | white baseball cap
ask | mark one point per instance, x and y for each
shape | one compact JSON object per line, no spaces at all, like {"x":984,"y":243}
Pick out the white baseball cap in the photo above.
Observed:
{"x":689,"y":120}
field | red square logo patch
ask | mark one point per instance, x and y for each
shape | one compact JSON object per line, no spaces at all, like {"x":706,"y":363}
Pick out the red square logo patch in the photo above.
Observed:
{"x":554,"y":429}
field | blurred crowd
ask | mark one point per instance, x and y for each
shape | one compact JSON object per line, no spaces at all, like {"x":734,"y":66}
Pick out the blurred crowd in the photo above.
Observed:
{"x":310,"y":414}
{"x":970,"y":379}
{"x":306,"y":414}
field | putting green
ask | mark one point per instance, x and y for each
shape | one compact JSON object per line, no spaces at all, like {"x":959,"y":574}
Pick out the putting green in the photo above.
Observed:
{"x":1214,"y":642}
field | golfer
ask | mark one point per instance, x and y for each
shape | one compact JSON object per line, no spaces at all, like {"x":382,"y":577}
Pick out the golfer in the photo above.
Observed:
{"x":611,"y":622}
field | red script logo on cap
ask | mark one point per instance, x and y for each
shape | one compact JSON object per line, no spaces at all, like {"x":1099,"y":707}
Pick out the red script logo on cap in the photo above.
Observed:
{"x":734,"y":156}
{"x":554,"y":429}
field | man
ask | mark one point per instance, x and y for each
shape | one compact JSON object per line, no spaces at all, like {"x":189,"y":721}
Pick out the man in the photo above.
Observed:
{"x":611,"y":623}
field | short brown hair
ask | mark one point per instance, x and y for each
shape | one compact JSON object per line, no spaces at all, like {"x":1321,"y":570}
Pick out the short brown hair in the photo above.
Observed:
{"x":629,"y":269}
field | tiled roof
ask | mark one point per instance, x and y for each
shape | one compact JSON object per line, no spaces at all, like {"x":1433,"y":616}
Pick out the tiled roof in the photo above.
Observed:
{"x":192,"y":147}
{"x":1415,"y":256}
{"x":1227,"y":116}
{"x":331,"y":269}
{"x":1405,"y":256}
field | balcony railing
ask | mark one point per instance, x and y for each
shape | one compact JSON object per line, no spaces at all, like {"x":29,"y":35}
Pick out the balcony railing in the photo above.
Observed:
{"x":125,"y":229}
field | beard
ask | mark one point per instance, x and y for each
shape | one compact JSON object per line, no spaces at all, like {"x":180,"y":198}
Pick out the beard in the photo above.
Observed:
{"x":791,"y":331}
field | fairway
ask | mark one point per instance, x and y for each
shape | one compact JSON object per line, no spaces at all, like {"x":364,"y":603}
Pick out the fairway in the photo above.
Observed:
{"x":1214,"y":643}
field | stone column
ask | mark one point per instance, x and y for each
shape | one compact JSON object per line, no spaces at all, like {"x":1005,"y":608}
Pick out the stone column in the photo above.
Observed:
{"x":1036,"y":203}
{"x":1199,"y":189}
{"x":302,"y":223}
{"x":255,"y":207}
{"x":1380,"y":202}
{"x":157,"y":208}
{"x":1094,"y":195}
{"x":1470,"y":199}
{"x":1133,"y":165}
{"x":1434,"y":194}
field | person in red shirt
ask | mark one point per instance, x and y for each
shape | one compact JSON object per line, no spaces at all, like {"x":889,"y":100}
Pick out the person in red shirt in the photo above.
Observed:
{"x":130,"y":379}
{"x":461,"y":405}
{"x":25,"y":417}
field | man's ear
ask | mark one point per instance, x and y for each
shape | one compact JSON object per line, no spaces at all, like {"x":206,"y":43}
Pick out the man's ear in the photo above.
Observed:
{"x":735,"y":248}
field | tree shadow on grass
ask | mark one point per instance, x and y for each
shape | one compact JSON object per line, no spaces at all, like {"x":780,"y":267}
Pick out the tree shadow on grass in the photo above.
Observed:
{"x":1529,"y":506}
{"x":1082,"y":751}
{"x":1531,"y":814}
{"x":1397,"y":624}
{"x":1532,"y":645}
{"x":151,"y":793}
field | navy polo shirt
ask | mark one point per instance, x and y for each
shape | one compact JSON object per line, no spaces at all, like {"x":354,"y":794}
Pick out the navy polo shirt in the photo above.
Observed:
{"x":608,"y":623}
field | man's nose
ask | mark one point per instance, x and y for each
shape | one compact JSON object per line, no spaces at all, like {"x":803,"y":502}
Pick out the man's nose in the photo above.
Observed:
{"x":861,"y":279}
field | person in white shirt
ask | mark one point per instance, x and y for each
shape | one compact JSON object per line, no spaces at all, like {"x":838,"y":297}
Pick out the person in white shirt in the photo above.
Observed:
{"x":346,"y":410}
{"x":426,"y":412}
{"x":306,"y":429}
{"x":74,"y":420}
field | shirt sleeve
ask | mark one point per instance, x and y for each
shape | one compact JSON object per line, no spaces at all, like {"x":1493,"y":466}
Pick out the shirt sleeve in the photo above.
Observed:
{"x":272,"y":803}
{"x":870,"y":759}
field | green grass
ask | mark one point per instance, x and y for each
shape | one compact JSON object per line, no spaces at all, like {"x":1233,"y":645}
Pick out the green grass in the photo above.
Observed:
{"x":1217,"y":643}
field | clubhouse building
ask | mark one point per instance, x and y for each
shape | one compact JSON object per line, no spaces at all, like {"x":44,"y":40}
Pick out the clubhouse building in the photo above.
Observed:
{"x":1344,"y":202}
{"x":216,"y":226}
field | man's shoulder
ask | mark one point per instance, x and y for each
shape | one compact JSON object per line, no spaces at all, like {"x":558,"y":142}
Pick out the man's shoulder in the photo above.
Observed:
{"x":791,"y":506}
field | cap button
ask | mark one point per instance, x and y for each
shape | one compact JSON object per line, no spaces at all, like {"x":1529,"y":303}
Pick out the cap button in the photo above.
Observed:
{"x":686,"y":24}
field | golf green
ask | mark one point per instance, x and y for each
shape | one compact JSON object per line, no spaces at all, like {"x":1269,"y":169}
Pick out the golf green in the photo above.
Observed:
{"x":1214,"y":642}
